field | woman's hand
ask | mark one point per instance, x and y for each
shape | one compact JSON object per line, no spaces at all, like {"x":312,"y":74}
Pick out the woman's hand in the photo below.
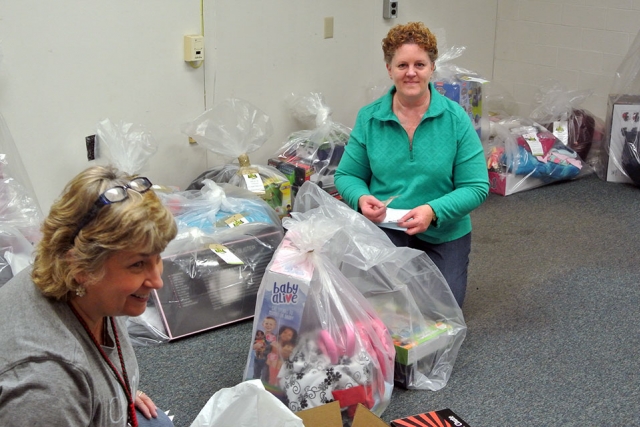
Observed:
{"x":146,"y":405}
{"x":417,"y":220}
{"x":372,"y":208}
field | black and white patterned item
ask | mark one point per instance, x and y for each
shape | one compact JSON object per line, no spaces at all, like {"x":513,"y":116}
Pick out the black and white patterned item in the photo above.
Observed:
{"x":310,"y":379}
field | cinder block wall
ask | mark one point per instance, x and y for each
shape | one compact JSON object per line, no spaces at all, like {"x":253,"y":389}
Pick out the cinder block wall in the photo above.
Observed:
{"x":577,"y":42}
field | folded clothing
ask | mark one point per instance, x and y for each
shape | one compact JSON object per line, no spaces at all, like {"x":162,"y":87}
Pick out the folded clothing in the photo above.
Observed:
{"x":557,"y":162}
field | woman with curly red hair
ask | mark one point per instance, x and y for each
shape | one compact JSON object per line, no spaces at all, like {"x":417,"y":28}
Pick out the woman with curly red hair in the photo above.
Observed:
{"x":420,"y":146}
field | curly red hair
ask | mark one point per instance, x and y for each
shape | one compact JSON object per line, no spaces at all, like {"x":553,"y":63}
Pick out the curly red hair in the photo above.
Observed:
{"x":410,"y":33}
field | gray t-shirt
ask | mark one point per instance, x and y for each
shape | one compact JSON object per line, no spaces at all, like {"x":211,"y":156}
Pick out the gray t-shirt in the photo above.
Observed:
{"x":51,"y":373}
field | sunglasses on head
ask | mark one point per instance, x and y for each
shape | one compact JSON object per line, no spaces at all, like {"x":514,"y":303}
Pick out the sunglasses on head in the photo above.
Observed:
{"x":113,"y":195}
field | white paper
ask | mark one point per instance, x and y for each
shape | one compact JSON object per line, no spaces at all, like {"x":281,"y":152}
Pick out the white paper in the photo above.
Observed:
{"x":392,"y":218}
{"x":247,"y":404}
{"x":226,"y":255}
{"x":394,"y":215}
{"x":254,"y":182}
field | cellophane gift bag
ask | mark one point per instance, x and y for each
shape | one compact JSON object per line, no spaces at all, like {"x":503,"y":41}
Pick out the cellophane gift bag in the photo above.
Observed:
{"x":20,"y":214}
{"x":312,"y":154}
{"x":19,"y":207}
{"x":620,"y":159}
{"x":522,"y":154}
{"x":212,"y":269}
{"x":559,"y":110}
{"x":316,"y":338}
{"x":463,"y":86}
{"x":404,"y":286}
{"x":235,"y":128}
{"x":129,"y":145}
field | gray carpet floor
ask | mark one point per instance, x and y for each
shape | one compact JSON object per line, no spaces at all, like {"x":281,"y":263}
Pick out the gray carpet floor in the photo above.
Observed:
{"x":552,"y":310}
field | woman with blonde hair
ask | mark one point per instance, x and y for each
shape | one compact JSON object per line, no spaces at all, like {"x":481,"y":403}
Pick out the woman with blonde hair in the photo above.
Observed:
{"x":66,"y":356}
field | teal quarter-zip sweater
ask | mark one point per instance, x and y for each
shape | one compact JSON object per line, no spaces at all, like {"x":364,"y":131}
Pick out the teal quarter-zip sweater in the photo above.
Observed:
{"x":444,"y":166}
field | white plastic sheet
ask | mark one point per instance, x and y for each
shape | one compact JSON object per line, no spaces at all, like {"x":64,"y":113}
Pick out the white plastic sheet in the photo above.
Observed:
{"x":247,"y":404}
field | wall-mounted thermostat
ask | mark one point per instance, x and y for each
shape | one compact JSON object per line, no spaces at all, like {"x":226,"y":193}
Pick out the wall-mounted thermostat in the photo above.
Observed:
{"x":193,"y":48}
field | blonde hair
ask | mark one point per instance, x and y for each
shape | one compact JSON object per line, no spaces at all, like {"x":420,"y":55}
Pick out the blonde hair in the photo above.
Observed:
{"x":140,"y":223}
{"x":410,"y":33}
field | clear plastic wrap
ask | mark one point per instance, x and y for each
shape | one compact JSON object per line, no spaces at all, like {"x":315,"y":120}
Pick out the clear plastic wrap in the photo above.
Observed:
{"x":522,"y":154}
{"x":558,"y":109}
{"x":212,"y":269}
{"x":312,"y":154}
{"x":210,"y":280}
{"x":18,"y":205}
{"x":404,"y":286}
{"x":460,"y":85}
{"x":314,"y":331}
{"x":498,"y":101}
{"x":15,"y":252}
{"x":147,"y":329}
{"x":620,"y":159}
{"x":217,"y":207}
{"x":129,"y":145}
{"x":242,"y":406}
{"x":235,"y":128}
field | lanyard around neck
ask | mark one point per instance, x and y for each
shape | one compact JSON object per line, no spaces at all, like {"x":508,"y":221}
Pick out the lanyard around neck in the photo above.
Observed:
{"x":123,"y":379}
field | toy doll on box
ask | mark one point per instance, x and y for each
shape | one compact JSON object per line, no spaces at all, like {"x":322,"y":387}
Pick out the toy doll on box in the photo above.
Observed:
{"x":280,"y":350}
{"x":260,"y":354}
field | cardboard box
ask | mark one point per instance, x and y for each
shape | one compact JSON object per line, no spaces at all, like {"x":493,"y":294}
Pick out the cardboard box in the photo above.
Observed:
{"x":201,"y":291}
{"x":443,"y":418}
{"x":467,"y":91}
{"x":279,"y":306}
{"x":296,"y":170}
{"x":329,"y":416}
{"x":506,"y":183}
{"x":619,"y":122}
{"x":278,"y":195}
{"x":420,"y":353}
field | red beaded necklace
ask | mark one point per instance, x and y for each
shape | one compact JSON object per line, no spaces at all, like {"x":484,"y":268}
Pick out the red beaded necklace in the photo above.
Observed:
{"x":122,"y":379}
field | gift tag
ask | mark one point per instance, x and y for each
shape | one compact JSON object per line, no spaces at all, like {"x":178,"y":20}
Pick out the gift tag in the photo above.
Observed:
{"x":254,"y":182}
{"x":473,"y":79}
{"x":226,"y":255}
{"x":561,"y":131}
{"x":534,"y":144}
{"x":236,"y":220}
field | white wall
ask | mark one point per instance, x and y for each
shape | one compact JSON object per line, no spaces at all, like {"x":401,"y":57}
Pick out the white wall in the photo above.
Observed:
{"x":266,"y":50}
{"x":577,"y":42}
{"x":69,"y":63}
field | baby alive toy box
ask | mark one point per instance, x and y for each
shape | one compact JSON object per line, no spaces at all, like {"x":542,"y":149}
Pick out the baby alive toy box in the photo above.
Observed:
{"x":278,"y":309}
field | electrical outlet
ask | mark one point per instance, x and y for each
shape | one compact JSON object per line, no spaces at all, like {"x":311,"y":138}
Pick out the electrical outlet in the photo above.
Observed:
{"x":90,"y":142}
{"x":390,"y":9}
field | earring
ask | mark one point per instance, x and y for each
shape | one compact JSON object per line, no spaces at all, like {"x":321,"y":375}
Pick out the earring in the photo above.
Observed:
{"x":81,"y":291}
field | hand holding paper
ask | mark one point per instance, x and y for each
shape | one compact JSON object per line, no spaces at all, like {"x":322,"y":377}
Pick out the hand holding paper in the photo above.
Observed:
{"x":393,"y":217}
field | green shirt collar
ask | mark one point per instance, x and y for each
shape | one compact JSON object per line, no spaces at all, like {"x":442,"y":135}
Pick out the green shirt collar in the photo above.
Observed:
{"x":384,"y":112}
